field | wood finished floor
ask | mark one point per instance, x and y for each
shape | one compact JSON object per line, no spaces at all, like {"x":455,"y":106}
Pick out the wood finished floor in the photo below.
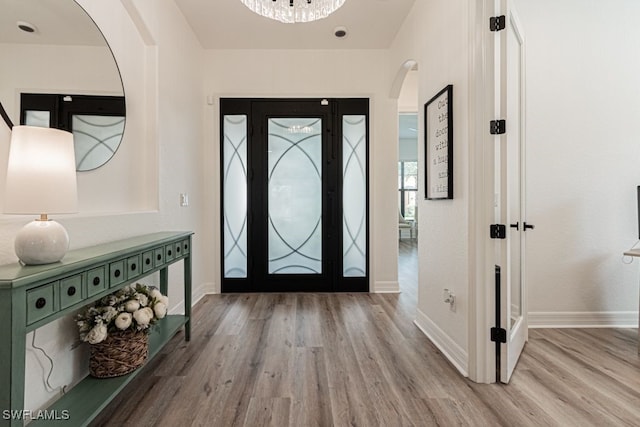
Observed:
{"x":358,"y":360}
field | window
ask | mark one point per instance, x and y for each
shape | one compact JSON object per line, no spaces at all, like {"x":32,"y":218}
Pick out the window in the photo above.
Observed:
{"x":407,"y":188}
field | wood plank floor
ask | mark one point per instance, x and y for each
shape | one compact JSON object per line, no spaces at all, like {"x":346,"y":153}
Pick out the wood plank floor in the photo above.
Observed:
{"x":358,"y":360}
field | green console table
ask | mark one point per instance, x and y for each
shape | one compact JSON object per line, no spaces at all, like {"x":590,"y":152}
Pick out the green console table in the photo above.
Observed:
{"x":32,"y":296}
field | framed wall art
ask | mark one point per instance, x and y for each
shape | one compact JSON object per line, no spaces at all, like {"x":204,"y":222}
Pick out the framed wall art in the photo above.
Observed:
{"x":438,"y":145}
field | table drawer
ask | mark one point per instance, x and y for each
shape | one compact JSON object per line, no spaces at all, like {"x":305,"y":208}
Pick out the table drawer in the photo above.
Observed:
{"x":178,"y":249}
{"x":134,"y":269}
{"x":40,"y":302}
{"x":186,"y":246}
{"x":158,"y":257}
{"x":70,"y":291}
{"x":169,"y":252}
{"x":147,"y":261}
{"x":117,"y":273}
{"x":96,"y":282}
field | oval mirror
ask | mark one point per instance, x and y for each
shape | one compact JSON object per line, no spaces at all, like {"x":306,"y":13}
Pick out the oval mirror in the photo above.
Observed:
{"x":58,"y":71}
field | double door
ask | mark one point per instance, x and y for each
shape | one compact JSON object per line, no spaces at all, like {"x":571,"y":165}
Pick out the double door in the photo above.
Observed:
{"x":294,"y":195}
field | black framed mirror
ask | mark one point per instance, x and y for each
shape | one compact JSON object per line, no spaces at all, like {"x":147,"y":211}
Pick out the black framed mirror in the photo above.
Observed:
{"x":52,"y":48}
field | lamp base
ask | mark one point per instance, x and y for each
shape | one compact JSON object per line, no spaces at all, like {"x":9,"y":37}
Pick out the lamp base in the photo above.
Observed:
{"x":41,"y":242}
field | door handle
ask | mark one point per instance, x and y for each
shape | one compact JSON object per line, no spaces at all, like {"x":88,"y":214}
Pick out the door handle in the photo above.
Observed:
{"x":531,"y":226}
{"x":516,"y":225}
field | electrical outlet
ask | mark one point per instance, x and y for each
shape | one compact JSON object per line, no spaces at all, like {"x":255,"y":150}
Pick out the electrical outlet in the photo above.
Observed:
{"x":448,"y":296}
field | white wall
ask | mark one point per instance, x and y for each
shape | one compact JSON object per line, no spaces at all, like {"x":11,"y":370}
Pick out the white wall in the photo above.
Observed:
{"x":160,"y":61}
{"x":436,"y":35}
{"x":583,"y":156}
{"x":408,"y":103}
{"x":305,"y":73}
{"x":408,"y":99}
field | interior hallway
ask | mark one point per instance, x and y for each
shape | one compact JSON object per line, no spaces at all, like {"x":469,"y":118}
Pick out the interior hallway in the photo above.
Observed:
{"x":358,"y":360}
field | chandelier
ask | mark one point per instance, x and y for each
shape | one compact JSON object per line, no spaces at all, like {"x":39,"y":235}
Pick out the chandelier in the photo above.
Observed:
{"x":291,"y":11}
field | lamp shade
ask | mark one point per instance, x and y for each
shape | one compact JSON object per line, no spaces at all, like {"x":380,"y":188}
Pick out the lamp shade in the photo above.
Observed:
{"x":41,"y":172}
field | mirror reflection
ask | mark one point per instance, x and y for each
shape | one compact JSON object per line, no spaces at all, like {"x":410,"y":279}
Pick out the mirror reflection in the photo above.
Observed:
{"x":53,"y":52}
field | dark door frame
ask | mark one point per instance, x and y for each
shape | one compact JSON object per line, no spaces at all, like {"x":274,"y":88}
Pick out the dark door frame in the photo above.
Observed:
{"x":258,"y":111}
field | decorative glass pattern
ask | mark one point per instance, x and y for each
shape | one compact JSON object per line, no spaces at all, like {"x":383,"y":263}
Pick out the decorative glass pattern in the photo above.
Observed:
{"x":37,"y":118}
{"x":96,"y":139}
{"x":354,"y":190}
{"x":295,"y":196}
{"x":235,"y":195}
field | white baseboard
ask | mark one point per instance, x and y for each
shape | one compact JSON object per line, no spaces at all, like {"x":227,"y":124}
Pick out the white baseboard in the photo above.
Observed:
{"x":584,"y":319}
{"x":196,"y":295}
{"x":208,"y":289}
{"x":200,"y":291}
{"x":178,"y":309}
{"x":386,"y":288}
{"x":449,"y":348}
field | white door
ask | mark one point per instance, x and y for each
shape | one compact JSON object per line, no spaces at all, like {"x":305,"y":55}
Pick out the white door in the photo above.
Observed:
{"x":510,"y":187}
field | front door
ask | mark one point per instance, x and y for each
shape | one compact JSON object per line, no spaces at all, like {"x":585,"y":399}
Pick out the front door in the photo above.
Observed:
{"x":294,"y":195}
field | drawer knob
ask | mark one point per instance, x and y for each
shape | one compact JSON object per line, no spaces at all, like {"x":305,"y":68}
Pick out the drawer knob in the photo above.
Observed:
{"x":40,"y":303}
{"x":186,"y":246}
{"x":177,"y":248}
{"x":133,"y":267}
{"x":169,"y":252}
{"x":96,"y":281}
{"x":71,"y":291}
{"x":159,"y":257}
{"x":116,"y":273}
{"x":147,"y":261}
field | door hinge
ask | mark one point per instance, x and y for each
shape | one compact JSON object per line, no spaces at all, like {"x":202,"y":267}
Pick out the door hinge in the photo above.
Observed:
{"x":497,"y":127}
{"x":498,"y":231}
{"x":497,"y":23}
{"x":498,"y":335}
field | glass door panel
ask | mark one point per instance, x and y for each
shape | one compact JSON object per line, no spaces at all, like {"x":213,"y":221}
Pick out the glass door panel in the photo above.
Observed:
{"x":354,"y":195}
{"x":234,"y":182}
{"x":294,"y":195}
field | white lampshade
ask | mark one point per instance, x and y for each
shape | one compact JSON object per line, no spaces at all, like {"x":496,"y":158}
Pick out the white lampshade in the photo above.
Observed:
{"x":41,"y":179}
{"x":41,"y":172}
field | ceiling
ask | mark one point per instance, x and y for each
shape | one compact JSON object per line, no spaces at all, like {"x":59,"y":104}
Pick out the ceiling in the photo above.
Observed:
{"x":228,"y":24}
{"x":57,"y":22}
{"x":218,"y":24}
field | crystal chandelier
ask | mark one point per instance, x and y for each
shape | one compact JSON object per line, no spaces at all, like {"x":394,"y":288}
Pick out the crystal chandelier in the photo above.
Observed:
{"x":291,"y":11}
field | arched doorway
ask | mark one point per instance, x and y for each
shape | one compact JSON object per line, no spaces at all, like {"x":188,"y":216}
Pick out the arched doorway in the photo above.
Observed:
{"x":405,"y":90}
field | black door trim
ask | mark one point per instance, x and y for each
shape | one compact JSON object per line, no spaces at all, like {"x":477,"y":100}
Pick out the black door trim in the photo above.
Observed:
{"x":258,"y":111}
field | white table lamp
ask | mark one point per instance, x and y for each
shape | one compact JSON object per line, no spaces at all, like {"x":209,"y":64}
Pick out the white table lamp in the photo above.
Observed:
{"x":41,"y":179}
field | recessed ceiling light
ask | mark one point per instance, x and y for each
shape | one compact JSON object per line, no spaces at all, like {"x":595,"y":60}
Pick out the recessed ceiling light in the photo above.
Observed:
{"x":26,"y":27}
{"x":340,"y":32}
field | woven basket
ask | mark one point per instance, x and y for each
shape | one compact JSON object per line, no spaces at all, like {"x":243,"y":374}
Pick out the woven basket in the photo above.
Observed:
{"x":119,"y":354}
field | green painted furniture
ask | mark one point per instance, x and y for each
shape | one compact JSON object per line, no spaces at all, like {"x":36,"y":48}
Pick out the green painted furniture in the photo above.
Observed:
{"x":32,"y":296}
